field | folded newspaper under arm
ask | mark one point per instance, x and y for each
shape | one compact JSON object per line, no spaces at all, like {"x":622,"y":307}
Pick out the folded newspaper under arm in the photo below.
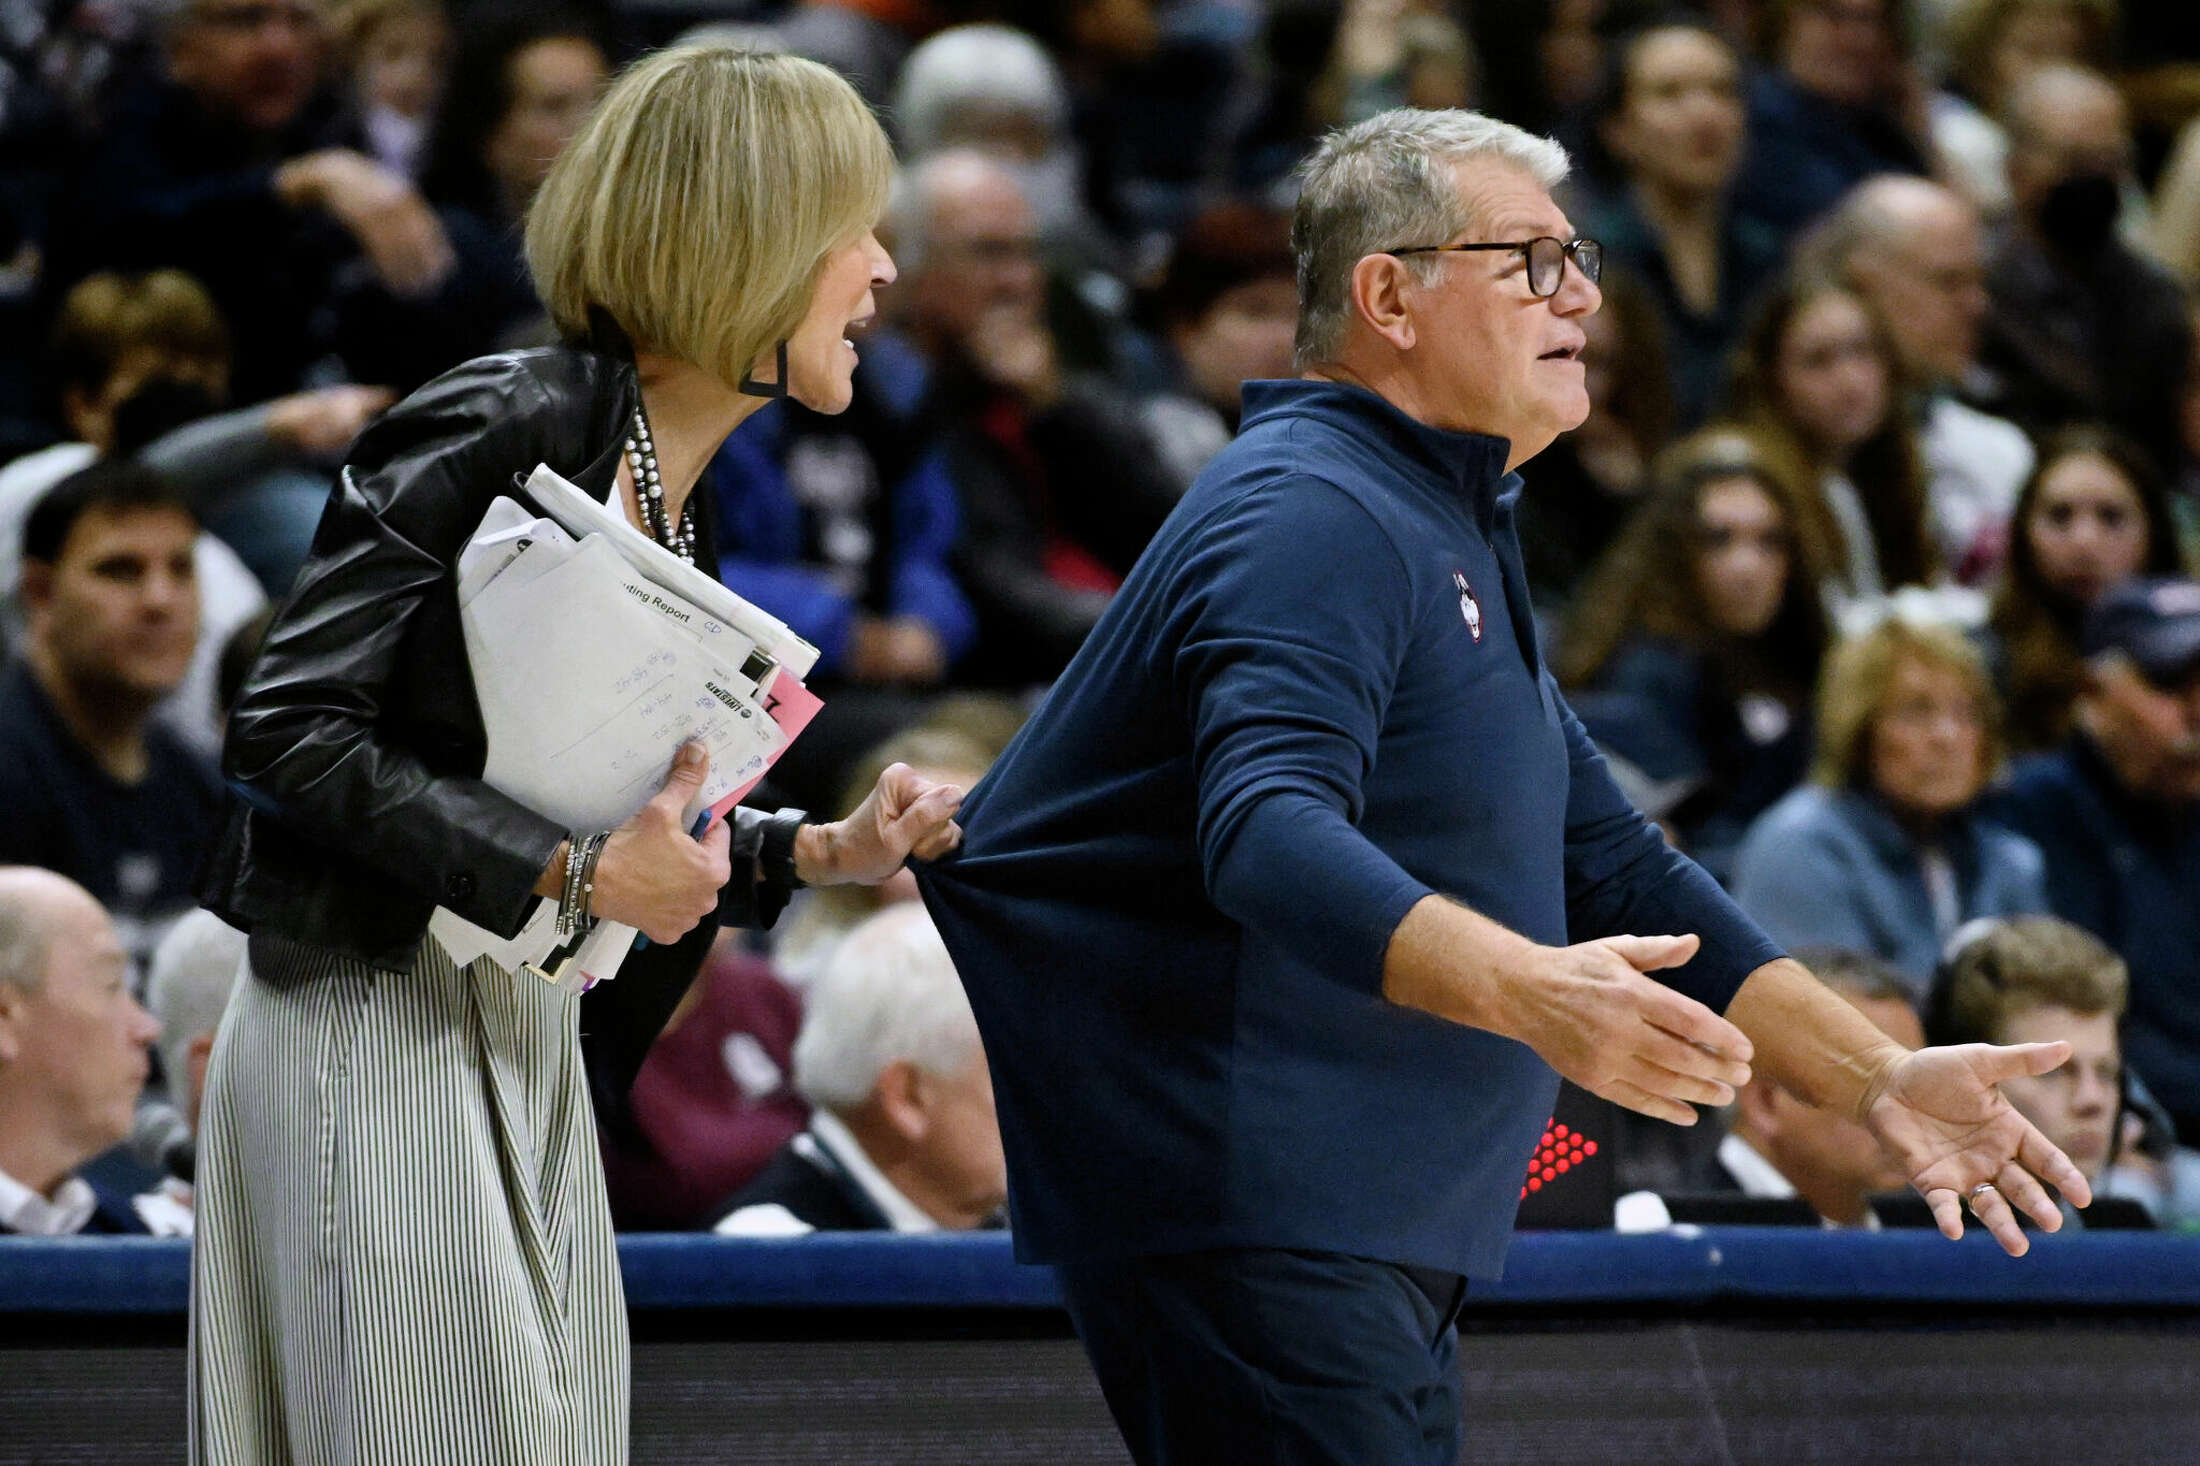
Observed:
{"x":596,"y":654}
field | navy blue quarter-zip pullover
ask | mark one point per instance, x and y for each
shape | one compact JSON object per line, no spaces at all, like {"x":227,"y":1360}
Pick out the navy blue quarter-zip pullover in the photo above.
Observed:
{"x":1316,"y":700}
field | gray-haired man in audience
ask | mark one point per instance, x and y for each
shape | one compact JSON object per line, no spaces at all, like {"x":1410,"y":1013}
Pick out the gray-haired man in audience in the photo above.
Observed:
{"x":73,"y":1054}
{"x":904,"y":1136}
{"x":1918,"y":251}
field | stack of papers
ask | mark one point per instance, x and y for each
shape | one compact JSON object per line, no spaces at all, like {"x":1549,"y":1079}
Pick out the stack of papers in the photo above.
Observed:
{"x":596,"y":654}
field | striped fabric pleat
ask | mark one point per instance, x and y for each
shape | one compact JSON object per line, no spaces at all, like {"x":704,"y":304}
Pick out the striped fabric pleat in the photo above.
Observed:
{"x":403,"y":1249}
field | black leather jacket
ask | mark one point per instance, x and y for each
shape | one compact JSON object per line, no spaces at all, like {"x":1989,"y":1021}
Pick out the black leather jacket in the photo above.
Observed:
{"x":354,"y":753}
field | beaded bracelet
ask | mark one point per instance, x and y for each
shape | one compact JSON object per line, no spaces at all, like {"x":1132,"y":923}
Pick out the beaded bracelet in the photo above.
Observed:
{"x":582,"y":853}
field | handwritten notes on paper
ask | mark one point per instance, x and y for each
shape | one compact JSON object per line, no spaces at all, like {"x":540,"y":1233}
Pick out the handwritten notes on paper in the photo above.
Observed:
{"x":595,"y":656}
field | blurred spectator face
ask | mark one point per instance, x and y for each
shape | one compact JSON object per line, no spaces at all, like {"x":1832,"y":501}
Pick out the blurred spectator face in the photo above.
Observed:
{"x":821,"y":360}
{"x":981,"y":255}
{"x":118,"y":334}
{"x":1572,"y":53}
{"x":1244,"y":336}
{"x":74,"y":1044}
{"x":1438,"y":63}
{"x":2069,"y":152}
{"x":1831,"y":374}
{"x":1928,"y":741}
{"x":1834,"y":1162}
{"x":2150,"y":735}
{"x":1930,"y":284}
{"x":2087,"y":527}
{"x":2074,"y":1106}
{"x":187,"y":987}
{"x":553,"y":83}
{"x":252,"y":62}
{"x":1742,"y":566}
{"x":401,"y":63}
{"x":91,"y":416}
{"x":2033,"y":36}
{"x":1842,"y":50}
{"x":956,"y":1140}
{"x":117,"y":613}
{"x":1680,"y":125}
{"x":889,"y":1046}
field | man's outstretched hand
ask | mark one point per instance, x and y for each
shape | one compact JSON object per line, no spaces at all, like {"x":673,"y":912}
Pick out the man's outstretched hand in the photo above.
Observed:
{"x":1939,"y":1111}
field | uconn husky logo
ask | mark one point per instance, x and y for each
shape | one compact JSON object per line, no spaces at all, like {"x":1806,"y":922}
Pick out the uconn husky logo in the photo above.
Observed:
{"x":1470,"y":609}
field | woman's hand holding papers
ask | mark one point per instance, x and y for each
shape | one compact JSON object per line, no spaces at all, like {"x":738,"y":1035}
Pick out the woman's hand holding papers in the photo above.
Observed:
{"x":654,"y":876}
{"x":905,"y":815}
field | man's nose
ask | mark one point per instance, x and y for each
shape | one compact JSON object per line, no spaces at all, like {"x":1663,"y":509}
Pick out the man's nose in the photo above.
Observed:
{"x":169,"y":591}
{"x":1577,"y":294}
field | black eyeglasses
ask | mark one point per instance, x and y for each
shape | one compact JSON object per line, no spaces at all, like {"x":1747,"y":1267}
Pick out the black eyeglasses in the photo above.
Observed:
{"x":1545,"y":255}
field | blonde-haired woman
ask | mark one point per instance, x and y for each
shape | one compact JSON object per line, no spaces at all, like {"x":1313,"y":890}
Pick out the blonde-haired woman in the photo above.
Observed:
{"x":1884,"y":851}
{"x":404,"y":1251}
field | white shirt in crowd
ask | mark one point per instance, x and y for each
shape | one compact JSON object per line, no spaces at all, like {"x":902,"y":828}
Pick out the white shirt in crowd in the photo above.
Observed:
{"x":28,"y":1214}
{"x":1975,"y":464}
{"x":826,"y":1133}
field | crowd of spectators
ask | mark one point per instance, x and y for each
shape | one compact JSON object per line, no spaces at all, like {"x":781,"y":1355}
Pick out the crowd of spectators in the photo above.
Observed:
{"x":1869,"y":571}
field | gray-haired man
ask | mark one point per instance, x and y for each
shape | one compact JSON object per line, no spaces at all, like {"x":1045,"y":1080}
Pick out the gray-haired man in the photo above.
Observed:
{"x":1274,"y":918}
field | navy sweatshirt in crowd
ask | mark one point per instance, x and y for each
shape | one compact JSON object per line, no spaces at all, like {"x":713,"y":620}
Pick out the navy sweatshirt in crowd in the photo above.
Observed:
{"x":1316,"y":700}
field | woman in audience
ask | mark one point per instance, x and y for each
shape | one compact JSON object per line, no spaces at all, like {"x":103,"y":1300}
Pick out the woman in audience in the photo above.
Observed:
{"x":521,"y":85}
{"x":1693,"y":650}
{"x":1816,"y":377}
{"x":2092,"y":515}
{"x":1224,"y":309}
{"x":1668,"y":132}
{"x":522,"y":80}
{"x":1885,"y":851}
{"x":397,"y":54}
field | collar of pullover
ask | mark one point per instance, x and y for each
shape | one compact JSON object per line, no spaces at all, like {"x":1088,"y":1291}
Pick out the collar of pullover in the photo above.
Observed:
{"x":1466,"y":467}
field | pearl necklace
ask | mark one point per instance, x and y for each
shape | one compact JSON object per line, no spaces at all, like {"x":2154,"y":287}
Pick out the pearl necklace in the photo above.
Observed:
{"x":649,"y":492}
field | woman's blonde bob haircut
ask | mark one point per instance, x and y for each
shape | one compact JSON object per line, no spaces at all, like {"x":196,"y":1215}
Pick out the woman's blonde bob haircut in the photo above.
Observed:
{"x":700,"y":198}
{"x":1852,"y":693}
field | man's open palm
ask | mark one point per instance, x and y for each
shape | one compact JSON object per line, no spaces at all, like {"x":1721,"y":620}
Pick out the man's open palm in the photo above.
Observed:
{"x":1941,"y":1114}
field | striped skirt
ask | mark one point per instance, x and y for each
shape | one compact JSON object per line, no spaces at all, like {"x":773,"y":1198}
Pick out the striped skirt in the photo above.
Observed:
{"x":403,"y":1250}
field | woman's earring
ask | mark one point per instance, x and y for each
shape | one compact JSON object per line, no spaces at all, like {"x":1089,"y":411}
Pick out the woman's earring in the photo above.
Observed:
{"x":772,"y":391}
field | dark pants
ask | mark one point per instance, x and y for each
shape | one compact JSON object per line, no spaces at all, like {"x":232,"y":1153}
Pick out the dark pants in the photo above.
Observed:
{"x":1260,"y":1357}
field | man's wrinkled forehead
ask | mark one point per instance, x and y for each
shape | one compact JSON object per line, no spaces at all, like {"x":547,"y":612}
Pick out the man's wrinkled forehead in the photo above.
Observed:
{"x":1504,"y":202}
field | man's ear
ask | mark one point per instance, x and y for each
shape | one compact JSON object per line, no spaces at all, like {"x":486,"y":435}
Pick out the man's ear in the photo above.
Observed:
{"x":900,"y":1092}
{"x":1379,"y":286}
{"x":13,"y":1003}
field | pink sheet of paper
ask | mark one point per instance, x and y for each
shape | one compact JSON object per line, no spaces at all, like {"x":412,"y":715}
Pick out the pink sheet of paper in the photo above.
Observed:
{"x":791,"y":706}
